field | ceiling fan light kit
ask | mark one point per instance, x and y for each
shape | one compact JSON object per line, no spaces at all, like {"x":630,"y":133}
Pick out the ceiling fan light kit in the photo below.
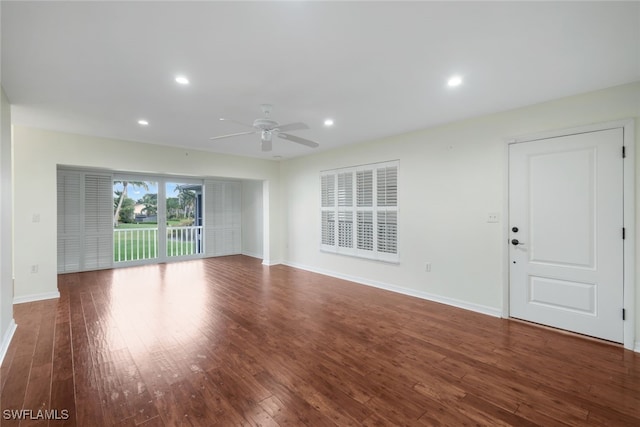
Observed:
{"x":267,"y":127}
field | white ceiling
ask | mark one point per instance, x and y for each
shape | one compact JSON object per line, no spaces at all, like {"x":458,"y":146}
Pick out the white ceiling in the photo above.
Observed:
{"x":377,"y":68}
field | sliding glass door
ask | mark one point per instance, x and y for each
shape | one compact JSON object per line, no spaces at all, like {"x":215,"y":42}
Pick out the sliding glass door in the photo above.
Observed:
{"x":108,"y":220}
{"x":184,"y":219}
{"x":135,"y":220}
{"x":156,"y":219}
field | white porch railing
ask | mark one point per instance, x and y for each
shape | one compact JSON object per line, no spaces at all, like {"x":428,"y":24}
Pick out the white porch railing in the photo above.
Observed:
{"x":184,"y":241}
{"x":135,"y":244}
{"x":132,"y":244}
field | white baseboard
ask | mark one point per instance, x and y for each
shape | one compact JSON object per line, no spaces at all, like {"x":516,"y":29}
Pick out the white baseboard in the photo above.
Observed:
{"x":36,"y":297}
{"x":252,"y":254}
{"x":6,"y":339}
{"x":637,"y":349}
{"x":269,"y":262}
{"x":491,"y":311}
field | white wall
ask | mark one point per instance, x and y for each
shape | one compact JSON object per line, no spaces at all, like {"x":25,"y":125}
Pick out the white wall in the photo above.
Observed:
{"x":38,"y":152}
{"x":252,"y":219}
{"x":7,"y":324}
{"x":450,"y":178}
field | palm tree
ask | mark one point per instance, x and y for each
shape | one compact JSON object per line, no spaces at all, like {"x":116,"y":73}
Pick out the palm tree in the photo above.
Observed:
{"x":173,"y":207}
{"x":150,"y":202}
{"x":123,"y":195}
{"x":187,"y":199}
{"x":126,"y":209}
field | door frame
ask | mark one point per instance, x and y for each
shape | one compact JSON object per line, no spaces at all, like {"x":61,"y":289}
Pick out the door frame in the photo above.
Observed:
{"x":161,"y":180}
{"x":628,"y":217}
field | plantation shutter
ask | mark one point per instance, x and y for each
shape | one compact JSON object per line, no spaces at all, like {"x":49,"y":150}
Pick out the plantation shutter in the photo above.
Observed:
{"x":364,"y":191}
{"x":233,"y":216}
{"x":345,"y":210}
{"x":98,"y":221}
{"x":328,"y":188}
{"x":387,"y":210}
{"x":365,"y":230}
{"x":69,"y":226}
{"x":359,"y":211}
{"x":345,"y":229}
{"x":223,"y":217}
{"x":85,"y":215}
{"x":328,"y":214}
{"x":345,"y":189}
{"x":387,"y":232}
{"x":328,"y":228}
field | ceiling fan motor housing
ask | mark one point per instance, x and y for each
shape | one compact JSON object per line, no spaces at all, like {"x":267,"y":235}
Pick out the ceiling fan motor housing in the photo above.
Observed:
{"x":265,"y":124}
{"x":266,"y":135}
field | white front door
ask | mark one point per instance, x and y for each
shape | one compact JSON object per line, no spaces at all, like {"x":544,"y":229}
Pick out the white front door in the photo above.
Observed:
{"x":565,"y":232}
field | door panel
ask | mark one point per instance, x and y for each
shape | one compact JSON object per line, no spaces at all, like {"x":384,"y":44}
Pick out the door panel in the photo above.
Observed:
{"x":562,"y":207}
{"x":562,"y":294}
{"x":565,"y":198}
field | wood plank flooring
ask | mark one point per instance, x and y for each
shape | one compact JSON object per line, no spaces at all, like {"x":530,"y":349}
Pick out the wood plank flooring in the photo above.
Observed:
{"x":227,"y":341}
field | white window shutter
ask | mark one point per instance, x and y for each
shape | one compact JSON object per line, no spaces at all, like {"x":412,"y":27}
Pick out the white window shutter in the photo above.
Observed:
{"x":363,"y":220}
{"x":328,"y":211}
{"x":98,"y":221}
{"x":365,"y":230}
{"x":364,"y":216}
{"x":328,"y":228}
{"x":387,"y":186}
{"x":328,"y":190}
{"x":69,"y":226}
{"x":364,"y":188}
{"x":214,"y":215}
{"x":387,"y":214}
{"x":388,"y":232}
{"x":234,"y":216}
{"x":85,"y":221}
{"x":345,"y":229}
{"x":345,"y":210}
{"x":223,"y":217}
{"x":345,"y":189}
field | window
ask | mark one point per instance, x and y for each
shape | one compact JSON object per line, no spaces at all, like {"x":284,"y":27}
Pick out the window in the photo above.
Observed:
{"x":359,"y":211}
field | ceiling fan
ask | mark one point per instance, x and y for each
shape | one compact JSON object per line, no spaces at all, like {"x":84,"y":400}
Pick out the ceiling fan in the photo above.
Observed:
{"x":267,"y":128}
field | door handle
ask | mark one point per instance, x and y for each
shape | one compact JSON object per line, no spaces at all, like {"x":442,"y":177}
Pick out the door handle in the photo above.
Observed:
{"x":516,"y":242}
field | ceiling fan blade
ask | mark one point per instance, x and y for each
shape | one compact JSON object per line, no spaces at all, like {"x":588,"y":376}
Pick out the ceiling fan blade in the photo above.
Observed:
{"x":299,"y":140}
{"x":266,"y":145}
{"x":292,"y":126}
{"x":236,"y":122}
{"x":232,"y":134}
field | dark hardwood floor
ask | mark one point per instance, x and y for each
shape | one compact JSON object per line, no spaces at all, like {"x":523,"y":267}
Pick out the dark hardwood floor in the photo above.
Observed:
{"x":227,"y":341}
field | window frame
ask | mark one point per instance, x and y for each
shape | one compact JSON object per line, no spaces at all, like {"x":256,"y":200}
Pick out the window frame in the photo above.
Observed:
{"x":359,"y":201}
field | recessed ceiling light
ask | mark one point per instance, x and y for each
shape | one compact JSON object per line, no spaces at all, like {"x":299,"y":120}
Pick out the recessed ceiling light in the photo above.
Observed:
{"x":454,"y":81}
{"x":328,"y":122}
{"x":182,"y":80}
{"x":143,"y":122}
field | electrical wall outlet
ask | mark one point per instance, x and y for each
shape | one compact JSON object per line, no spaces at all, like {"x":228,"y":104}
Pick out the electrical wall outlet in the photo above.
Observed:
{"x":428,"y":267}
{"x":34,"y":268}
